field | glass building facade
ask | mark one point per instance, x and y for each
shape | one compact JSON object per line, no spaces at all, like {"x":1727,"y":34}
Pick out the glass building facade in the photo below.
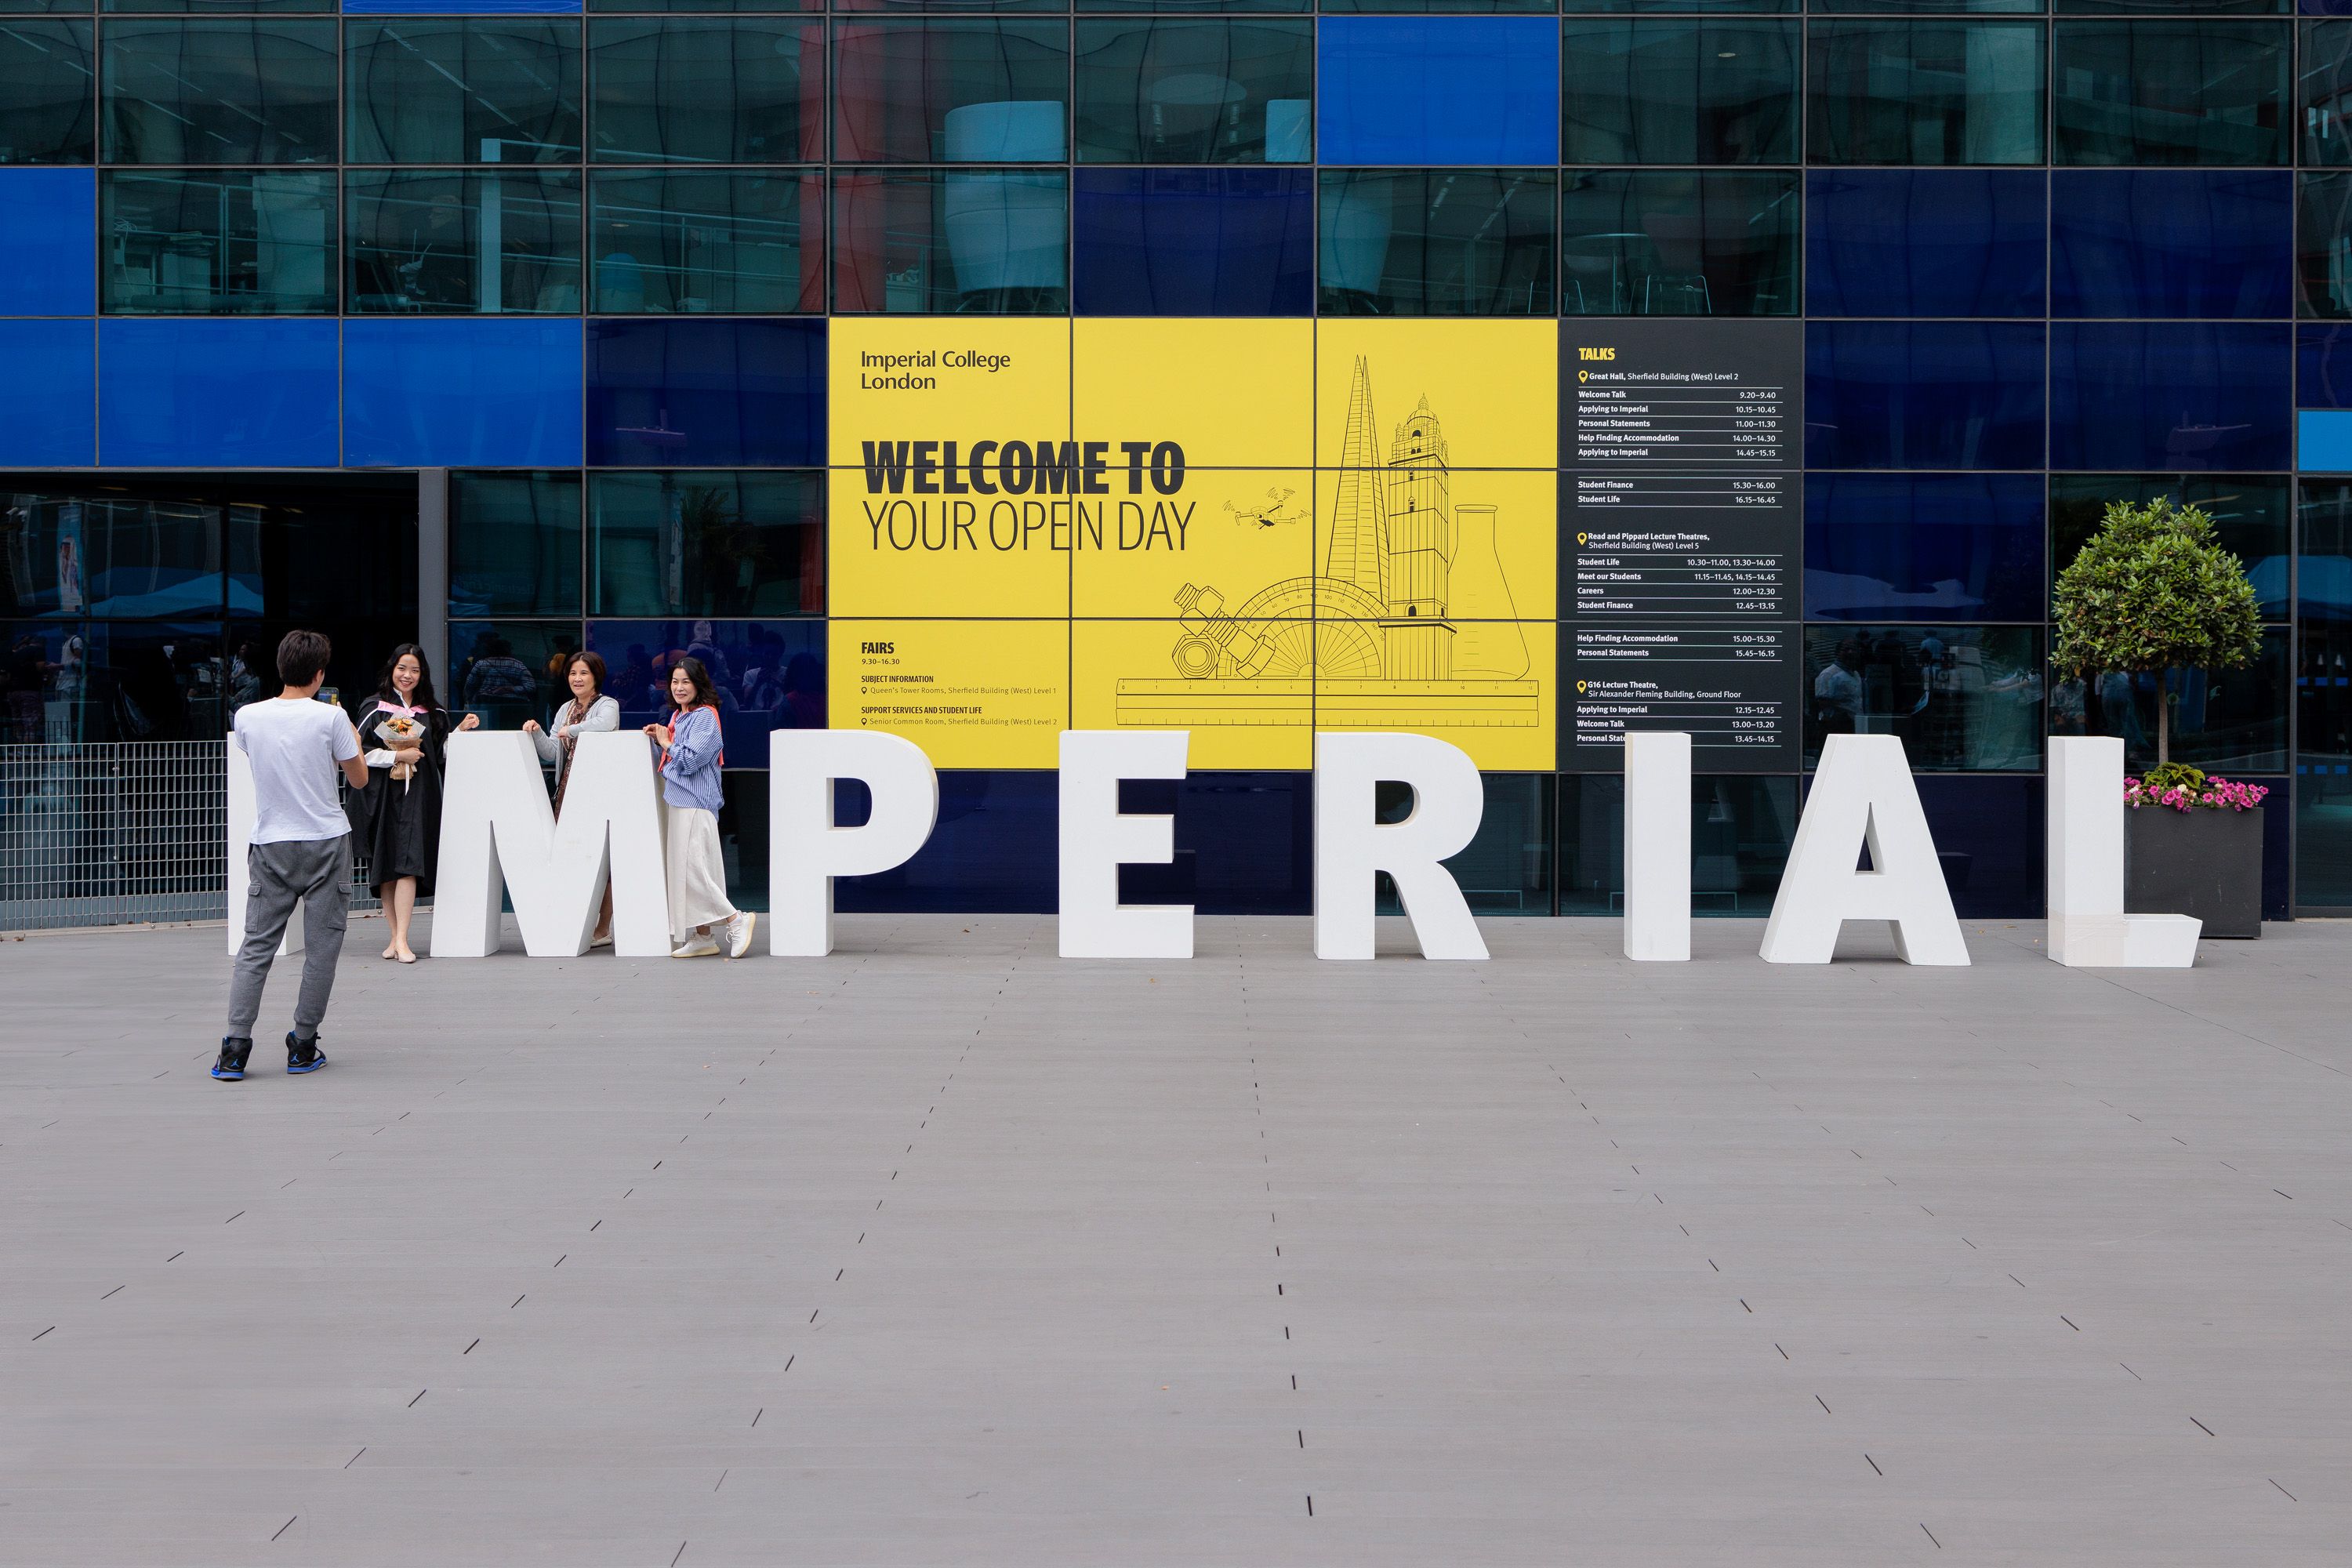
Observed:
{"x":278,"y":281}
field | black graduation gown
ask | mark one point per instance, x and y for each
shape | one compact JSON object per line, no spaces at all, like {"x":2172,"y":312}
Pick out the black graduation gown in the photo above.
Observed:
{"x":398,"y":824}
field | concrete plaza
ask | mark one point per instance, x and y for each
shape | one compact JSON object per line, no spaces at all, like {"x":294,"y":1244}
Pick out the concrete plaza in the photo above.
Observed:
{"x":945,"y":1250}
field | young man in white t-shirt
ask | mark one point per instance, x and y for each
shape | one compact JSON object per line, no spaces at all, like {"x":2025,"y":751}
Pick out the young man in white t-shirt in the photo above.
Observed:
{"x":302,"y":850}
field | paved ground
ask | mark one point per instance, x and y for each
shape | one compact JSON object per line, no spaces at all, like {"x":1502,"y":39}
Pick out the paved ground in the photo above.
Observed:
{"x":947,"y":1251}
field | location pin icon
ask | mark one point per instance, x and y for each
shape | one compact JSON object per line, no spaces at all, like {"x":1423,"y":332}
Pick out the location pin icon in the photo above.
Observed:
{"x":1580,"y":688}
{"x":1580,"y":538}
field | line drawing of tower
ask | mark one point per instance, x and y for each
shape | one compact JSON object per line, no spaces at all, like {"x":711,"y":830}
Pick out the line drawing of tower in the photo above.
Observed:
{"x":1359,"y":524}
{"x":1420,"y":555}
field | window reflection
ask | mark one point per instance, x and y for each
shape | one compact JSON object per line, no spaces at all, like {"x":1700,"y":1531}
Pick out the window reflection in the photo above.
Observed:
{"x":449,"y":241}
{"x":72,"y":555}
{"x":1678,"y":245}
{"x":1679,"y":92}
{"x":705,"y":90}
{"x":736,"y":244}
{"x":1741,"y":828}
{"x":2323,"y":246}
{"x":978,"y":240}
{"x":63,"y":681}
{"x":2171,"y":92}
{"x":1507,"y":868}
{"x":230,"y":243}
{"x":1960,"y":697}
{"x":952,"y":92}
{"x":2324,"y":92}
{"x":1195,"y":93}
{"x":220,"y":92}
{"x":769,"y":675}
{"x":508,"y":671}
{"x":2230,"y":721}
{"x":1436,"y":242}
{"x":444,"y":90}
{"x":707,"y":543}
{"x":1924,"y":92}
{"x":47,"y":111}
{"x":514,"y":544}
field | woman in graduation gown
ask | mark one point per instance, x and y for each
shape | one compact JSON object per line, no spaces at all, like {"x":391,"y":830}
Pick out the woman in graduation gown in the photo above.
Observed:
{"x":398,"y":815}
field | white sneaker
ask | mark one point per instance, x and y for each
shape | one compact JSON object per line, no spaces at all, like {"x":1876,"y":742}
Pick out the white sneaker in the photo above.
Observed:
{"x":698,"y":947}
{"x":738,"y":934}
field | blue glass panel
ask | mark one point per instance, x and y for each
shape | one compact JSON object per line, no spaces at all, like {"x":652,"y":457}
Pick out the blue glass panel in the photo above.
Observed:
{"x":47,"y":418}
{"x":2167,"y":242}
{"x":1195,"y":242}
{"x":706,"y":394}
{"x":216,"y":394}
{"x":2197,"y":396}
{"x":2323,"y":372}
{"x":1931,"y":547}
{"x":995,"y":850}
{"x":1989,"y":836}
{"x":461,"y":393}
{"x":769,"y":675}
{"x":2324,"y":442}
{"x":49,"y":246}
{"x":1438,"y":89}
{"x":1923,"y":395}
{"x":1924,"y":242}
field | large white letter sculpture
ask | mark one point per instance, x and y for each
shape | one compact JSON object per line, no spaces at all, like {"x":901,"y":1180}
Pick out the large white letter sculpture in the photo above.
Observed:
{"x":1351,"y":843}
{"x":2088,"y":928}
{"x":499,"y":829}
{"x":807,"y":851}
{"x":1657,"y":846}
{"x":1096,"y":840}
{"x":1862,"y":793}
{"x":242,"y":810}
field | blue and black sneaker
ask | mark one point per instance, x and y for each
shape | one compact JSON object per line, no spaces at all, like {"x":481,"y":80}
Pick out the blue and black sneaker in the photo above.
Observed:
{"x":230,"y":1066}
{"x":303,"y":1055}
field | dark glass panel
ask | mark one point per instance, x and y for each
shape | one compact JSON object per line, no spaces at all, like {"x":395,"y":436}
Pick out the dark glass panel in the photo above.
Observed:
{"x":2164,"y":242}
{"x":2211,"y":397}
{"x":2171,"y":92}
{"x":952,"y":92}
{"x":711,"y":90}
{"x":508,"y":671}
{"x":1195,"y":242}
{"x":67,"y":680}
{"x":2322,"y":378}
{"x":721,"y":394}
{"x":212,"y":91}
{"x":48,"y":112}
{"x":43,"y":7}
{"x":1245,"y":844}
{"x":1741,"y":828}
{"x":993,"y":850}
{"x":2324,"y":93}
{"x":1961,"y":699}
{"x":1991,"y":841}
{"x":2231,"y":721}
{"x":1926,"y":547}
{"x":1506,"y":869}
{"x":1385,"y":7}
{"x":769,"y":675}
{"x":1683,"y":6}
{"x":737,"y":244}
{"x":2177,"y":8}
{"x":446,"y":241}
{"x":1681,"y":244}
{"x":1925,"y":92}
{"x":219,"y":7}
{"x":1179,"y":90}
{"x":451,"y":90}
{"x":1436,"y":242}
{"x":688,"y":5}
{"x":197,"y":244}
{"x":514,"y":544}
{"x":1923,"y":395}
{"x":706,"y":543}
{"x":1201,"y":6}
{"x":2323,"y":246}
{"x":2323,"y":762}
{"x":1681,"y":92}
{"x":1927,"y":242}
{"x":991,"y":241}
{"x":1926,"y":8}
{"x":2249,"y":512}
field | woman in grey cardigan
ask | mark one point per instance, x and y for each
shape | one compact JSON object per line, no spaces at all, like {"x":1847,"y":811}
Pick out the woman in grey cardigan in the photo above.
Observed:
{"x":588,"y":710}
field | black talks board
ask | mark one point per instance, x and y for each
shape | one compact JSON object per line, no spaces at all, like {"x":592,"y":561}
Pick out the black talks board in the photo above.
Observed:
{"x":1682,"y":525}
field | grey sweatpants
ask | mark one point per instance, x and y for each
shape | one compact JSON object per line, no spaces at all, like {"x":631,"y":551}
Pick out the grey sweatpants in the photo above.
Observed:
{"x":318,"y":871}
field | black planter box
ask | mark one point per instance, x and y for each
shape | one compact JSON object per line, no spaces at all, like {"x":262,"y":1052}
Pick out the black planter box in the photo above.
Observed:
{"x":2202,"y":862}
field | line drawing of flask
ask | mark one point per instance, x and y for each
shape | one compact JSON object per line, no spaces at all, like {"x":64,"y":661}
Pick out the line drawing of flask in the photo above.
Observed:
{"x":1487,"y":639}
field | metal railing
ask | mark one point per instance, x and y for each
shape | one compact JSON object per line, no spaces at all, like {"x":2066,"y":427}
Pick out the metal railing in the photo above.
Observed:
{"x":117,"y":833}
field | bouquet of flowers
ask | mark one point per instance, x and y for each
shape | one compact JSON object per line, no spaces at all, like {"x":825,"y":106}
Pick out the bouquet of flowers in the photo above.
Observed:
{"x":2184,"y":788}
{"x":400,"y":733}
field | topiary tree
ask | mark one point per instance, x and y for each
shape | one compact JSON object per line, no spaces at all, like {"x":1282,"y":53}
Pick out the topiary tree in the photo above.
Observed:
{"x":2152,"y":592}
